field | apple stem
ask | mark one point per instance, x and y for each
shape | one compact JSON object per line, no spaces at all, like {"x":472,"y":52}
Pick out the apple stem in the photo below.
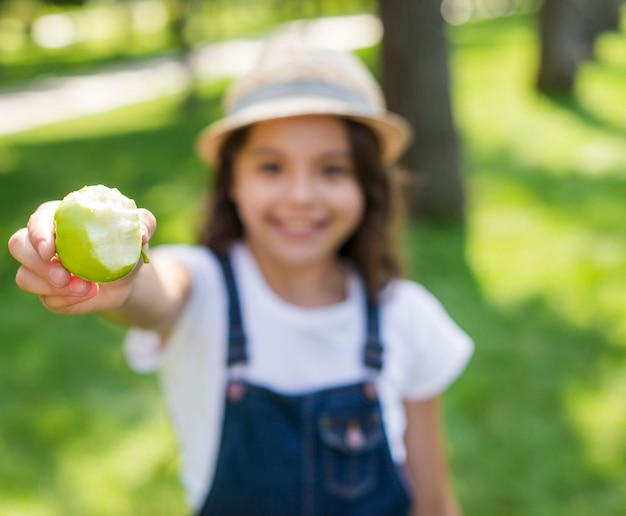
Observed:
{"x":144,"y":256}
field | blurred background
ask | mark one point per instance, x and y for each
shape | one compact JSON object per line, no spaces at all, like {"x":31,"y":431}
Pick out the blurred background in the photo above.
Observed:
{"x":516,"y":221}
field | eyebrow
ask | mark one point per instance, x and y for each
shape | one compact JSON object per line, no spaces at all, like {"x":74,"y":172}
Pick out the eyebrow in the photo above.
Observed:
{"x":337,"y":154}
{"x":263,"y":150}
{"x":333,"y":153}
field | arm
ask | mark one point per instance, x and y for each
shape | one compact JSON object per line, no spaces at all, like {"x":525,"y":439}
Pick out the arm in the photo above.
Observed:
{"x":157,"y":295}
{"x":152,"y":296}
{"x":426,"y":460}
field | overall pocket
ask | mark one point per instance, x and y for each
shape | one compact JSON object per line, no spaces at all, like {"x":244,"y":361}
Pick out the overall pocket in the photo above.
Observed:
{"x":351,"y":453}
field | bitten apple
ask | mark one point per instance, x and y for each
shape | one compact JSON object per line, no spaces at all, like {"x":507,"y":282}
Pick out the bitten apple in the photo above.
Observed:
{"x":98,"y":236}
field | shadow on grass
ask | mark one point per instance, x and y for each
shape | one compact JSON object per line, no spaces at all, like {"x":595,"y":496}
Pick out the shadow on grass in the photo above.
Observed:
{"x":573,"y":105}
{"x":592,"y":200}
{"x":515,"y":446}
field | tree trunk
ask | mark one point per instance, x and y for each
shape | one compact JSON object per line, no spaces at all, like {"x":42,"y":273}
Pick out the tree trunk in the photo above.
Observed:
{"x":568,"y":30}
{"x":598,"y":16}
{"x":181,"y":14}
{"x":415,"y":79}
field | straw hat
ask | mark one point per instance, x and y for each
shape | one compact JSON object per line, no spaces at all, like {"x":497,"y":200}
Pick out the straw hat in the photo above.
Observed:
{"x":291,"y":79}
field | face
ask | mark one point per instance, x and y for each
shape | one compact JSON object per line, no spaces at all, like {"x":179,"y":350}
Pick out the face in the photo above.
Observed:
{"x":296,"y":190}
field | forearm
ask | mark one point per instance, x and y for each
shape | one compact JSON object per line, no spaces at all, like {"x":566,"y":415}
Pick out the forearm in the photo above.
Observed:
{"x":445,"y":504}
{"x":156,"y":297}
{"x":426,"y":461}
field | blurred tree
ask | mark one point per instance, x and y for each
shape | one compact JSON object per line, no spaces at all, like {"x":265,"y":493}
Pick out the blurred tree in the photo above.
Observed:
{"x":64,"y":3}
{"x":599,"y":16}
{"x":568,"y":30}
{"x":415,"y":79}
{"x":181,"y":14}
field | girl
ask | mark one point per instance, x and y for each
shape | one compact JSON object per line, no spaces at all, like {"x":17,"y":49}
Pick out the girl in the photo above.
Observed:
{"x":302,"y":373}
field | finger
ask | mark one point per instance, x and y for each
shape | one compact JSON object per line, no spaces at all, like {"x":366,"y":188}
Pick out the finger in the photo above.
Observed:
{"x":71,"y":304}
{"x":41,"y":229}
{"x":16,"y":243}
{"x":148,"y":225}
{"x":30,"y":282}
{"x":51,"y":270}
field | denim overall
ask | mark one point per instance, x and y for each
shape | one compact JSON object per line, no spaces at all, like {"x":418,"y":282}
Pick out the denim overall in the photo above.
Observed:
{"x":322,"y":453}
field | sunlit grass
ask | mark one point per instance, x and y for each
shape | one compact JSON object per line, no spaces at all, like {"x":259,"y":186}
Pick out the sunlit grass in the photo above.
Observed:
{"x":550,"y":222}
{"x":600,"y":415}
{"x":523,"y":247}
{"x":114,"y":478}
{"x":547,"y":180}
{"x":544,"y":223}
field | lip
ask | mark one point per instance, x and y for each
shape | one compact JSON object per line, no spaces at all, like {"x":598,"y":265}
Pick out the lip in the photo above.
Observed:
{"x":300,"y":228}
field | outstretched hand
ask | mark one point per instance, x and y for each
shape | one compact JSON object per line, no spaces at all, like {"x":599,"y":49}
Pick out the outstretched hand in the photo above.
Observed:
{"x":42,"y":273}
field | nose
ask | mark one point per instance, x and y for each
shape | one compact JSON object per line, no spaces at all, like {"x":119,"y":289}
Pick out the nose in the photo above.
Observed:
{"x":301,"y":187}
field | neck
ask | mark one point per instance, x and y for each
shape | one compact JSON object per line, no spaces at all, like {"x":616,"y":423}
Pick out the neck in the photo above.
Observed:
{"x":314,"y":285}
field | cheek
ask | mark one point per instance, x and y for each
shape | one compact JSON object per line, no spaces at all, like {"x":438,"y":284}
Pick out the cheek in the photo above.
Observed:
{"x":252,"y":199}
{"x":238,"y":195}
{"x":352,"y":204}
{"x":246,"y":207}
{"x":241,"y":189}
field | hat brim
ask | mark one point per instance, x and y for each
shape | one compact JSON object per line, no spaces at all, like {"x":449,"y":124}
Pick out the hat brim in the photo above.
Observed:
{"x":393,"y":130}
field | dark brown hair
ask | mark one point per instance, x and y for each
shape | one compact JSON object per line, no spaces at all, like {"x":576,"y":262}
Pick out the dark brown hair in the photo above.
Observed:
{"x":370,"y":248}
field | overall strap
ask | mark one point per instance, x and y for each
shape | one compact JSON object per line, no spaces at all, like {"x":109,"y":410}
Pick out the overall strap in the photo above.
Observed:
{"x":237,"y":353}
{"x":373,"y":352}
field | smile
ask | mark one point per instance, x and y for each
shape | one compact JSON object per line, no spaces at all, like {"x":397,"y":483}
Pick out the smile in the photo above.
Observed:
{"x":299,"y":228}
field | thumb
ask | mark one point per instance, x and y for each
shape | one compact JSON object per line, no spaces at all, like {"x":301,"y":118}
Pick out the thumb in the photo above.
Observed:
{"x":148,"y":225}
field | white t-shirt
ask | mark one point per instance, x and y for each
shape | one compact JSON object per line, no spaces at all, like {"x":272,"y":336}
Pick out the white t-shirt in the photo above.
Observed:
{"x":291,"y":350}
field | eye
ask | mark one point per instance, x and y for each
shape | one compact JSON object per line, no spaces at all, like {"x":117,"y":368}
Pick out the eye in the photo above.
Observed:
{"x":270,"y":167}
{"x":335,"y":170}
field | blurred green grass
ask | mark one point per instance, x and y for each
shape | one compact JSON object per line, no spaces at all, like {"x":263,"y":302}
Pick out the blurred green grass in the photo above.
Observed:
{"x":537,"y":275}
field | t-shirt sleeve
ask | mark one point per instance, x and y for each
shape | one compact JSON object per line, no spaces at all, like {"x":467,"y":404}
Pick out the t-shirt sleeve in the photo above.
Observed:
{"x":144,"y":350}
{"x":440,"y":349}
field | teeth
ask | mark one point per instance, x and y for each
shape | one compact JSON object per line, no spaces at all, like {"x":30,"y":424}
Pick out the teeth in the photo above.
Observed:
{"x":299,"y":227}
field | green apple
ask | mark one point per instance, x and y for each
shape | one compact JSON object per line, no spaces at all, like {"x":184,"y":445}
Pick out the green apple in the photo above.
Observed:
{"x":98,"y":236}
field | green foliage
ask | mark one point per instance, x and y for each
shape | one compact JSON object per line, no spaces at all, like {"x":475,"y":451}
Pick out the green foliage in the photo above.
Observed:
{"x":536,"y":425}
{"x":101,"y":33}
{"x":65,"y":3}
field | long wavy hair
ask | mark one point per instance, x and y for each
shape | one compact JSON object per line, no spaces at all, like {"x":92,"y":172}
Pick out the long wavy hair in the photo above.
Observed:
{"x":371,"y":248}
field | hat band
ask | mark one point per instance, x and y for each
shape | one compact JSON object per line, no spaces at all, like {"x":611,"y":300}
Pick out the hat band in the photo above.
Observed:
{"x":302,"y":88}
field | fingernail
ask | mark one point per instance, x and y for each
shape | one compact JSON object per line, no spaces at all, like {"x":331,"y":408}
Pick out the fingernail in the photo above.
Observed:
{"x":58,"y":276}
{"x":41,"y":248}
{"x":79,"y":287}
